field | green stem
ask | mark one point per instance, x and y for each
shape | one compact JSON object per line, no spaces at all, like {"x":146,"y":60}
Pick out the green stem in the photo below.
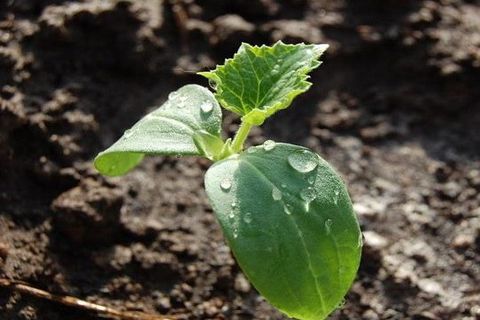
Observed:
{"x":241,"y":136}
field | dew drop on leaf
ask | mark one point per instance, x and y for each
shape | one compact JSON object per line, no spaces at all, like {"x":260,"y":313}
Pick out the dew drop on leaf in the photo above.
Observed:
{"x":231,"y":215}
{"x":308,"y":195}
{"x":172,"y":95}
{"x":276,"y":194}
{"x":247,"y":217}
{"x":128,"y":133}
{"x":276,"y":69}
{"x":269,"y":145}
{"x":287,"y":209}
{"x":226,"y":184}
{"x":234,"y":205}
{"x":212,"y":84}
{"x":303,"y":161}
{"x":328,"y":226}
{"x":251,"y":150}
{"x":181,"y":102}
{"x":360,"y":240}
{"x":206,"y":107}
{"x":335,"y":198}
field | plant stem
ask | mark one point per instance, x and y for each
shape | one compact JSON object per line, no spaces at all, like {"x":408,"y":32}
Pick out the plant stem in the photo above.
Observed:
{"x":241,"y":136}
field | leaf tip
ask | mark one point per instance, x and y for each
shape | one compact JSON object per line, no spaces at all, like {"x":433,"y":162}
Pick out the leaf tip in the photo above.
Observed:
{"x":321,"y":48}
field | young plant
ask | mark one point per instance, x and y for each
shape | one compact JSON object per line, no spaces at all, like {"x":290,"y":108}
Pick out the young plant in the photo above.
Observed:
{"x":284,"y":211}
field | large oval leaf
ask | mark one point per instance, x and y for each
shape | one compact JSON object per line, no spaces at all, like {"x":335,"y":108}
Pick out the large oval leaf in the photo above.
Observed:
{"x":189,"y":123}
{"x":259,"y":81}
{"x":288,"y":218}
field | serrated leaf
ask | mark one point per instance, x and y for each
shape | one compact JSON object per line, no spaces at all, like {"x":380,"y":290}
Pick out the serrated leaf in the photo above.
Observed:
{"x":288,"y":218}
{"x":189,"y":123}
{"x":259,"y":81}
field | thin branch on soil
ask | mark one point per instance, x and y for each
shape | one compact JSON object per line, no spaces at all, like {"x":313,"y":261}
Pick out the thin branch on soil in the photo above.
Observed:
{"x":78,"y":303}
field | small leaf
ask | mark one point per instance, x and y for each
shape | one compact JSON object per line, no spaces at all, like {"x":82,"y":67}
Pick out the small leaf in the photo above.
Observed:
{"x":288,"y":218}
{"x":191,"y":118}
{"x":259,"y":81}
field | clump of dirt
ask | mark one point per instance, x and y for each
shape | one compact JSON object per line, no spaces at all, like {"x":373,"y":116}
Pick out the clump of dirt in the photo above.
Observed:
{"x":395,"y":107}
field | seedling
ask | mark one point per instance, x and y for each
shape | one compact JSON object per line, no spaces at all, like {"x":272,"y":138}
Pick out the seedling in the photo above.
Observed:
{"x":284,"y":211}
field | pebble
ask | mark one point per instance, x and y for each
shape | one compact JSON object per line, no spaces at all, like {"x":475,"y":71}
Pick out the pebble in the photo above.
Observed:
{"x":370,"y":315}
{"x":242,"y":284}
{"x":374,"y":240}
{"x":430,"y":286}
{"x":369,"y":207}
{"x":463,"y":241}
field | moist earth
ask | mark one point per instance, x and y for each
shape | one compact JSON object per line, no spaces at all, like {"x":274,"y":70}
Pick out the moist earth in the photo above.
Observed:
{"x":395,"y":108}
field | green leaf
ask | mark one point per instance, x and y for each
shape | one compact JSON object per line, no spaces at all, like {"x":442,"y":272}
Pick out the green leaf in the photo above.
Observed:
{"x":288,"y":218}
{"x":259,"y":81}
{"x":189,"y":123}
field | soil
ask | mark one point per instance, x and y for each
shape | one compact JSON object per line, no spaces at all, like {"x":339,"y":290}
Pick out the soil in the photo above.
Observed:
{"x":395,"y":107}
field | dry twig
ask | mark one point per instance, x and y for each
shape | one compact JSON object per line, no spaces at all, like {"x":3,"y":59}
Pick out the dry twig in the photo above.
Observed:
{"x":78,"y":303}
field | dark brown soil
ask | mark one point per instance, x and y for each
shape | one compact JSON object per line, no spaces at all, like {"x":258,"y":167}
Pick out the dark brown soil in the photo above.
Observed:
{"x":395,"y":107}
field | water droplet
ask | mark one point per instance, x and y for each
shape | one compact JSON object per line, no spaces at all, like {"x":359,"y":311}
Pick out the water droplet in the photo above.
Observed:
{"x":308,"y":195}
{"x":252,"y":150}
{"x":276,"y":194}
{"x":311,"y":179}
{"x":234,"y":205}
{"x":283,"y":185}
{"x":303,"y":161}
{"x":206,"y":107}
{"x":276,"y":69}
{"x":181,"y":102}
{"x":226,"y":184}
{"x":247,"y":217}
{"x":360,"y":240}
{"x":127,"y":134}
{"x":212,"y":83}
{"x":335,"y":198}
{"x":172,"y":95}
{"x":235,"y":233}
{"x":231,"y":215}
{"x":328,"y":226}
{"x":269,"y":145}
{"x":286,"y":208}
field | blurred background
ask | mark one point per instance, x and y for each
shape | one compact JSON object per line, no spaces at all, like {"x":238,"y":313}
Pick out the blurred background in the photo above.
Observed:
{"x":395,"y":107}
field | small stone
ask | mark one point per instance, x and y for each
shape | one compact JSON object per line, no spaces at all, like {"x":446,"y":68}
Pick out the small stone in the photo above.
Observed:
{"x":164,"y":304}
{"x":451,"y":190}
{"x":475,"y":310}
{"x":374,"y":240}
{"x":430,"y":286}
{"x":369,"y":207}
{"x":463,"y":241}
{"x":370,"y":315}
{"x":242,"y":284}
